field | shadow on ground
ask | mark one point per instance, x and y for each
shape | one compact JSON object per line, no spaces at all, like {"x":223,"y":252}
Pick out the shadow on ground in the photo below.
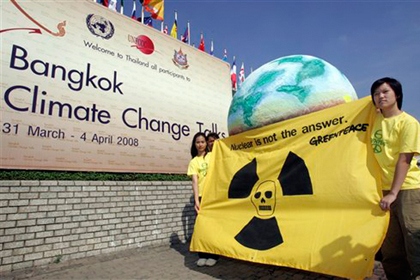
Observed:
{"x":228,"y":268}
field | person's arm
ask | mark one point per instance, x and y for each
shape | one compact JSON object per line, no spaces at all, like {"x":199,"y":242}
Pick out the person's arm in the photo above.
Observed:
{"x":401,"y":169}
{"x":195,"y":191}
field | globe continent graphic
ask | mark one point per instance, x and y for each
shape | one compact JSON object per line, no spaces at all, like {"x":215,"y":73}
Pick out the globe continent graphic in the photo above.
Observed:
{"x":285,"y":88}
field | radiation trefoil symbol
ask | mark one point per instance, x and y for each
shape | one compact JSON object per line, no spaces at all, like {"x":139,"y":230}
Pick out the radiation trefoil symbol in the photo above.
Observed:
{"x":263,"y":232}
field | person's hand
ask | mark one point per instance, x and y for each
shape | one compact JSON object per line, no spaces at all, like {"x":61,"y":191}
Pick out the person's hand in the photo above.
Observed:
{"x":386,"y":201}
{"x":197,"y":207}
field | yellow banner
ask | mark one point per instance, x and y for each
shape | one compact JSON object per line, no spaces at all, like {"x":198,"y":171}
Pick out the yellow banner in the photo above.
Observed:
{"x":300,"y":193}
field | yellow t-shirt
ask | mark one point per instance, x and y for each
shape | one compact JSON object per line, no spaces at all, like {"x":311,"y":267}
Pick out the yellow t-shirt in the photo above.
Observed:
{"x":199,"y":166}
{"x":390,"y":137}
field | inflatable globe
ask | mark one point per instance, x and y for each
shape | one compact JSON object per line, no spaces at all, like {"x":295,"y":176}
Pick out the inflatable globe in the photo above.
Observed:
{"x":285,"y":88}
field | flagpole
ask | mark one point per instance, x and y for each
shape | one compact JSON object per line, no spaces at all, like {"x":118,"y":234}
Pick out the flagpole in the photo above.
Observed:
{"x":189,"y":33}
{"x":134,"y":11}
{"x":122,"y":7}
{"x":233,"y":75}
{"x":176,"y":20}
{"x":142,"y":14}
{"x":176,"y":25}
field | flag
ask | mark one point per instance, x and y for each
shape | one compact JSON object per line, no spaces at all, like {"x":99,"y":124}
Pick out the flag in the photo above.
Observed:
{"x":112,"y":5}
{"x":122,"y":7}
{"x":242,"y":74}
{"x":174,"y":30}
{"x":202,"y":47}
{"x":224,"y":55}
{"x":146,"y":20}
{"x":133,"y":13}
{"x":155,"y":8}
{"x":233,"y":74}
{"x":185,"y":36}
{"x":211,"y":48}
{"x":300,"y":193}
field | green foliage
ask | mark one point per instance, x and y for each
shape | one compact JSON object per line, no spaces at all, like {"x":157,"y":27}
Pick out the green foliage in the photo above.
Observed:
{"x":6,"y":174}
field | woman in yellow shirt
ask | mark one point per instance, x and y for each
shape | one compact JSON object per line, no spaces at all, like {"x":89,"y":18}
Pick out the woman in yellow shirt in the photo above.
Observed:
{"x":197,"y":169}
{"x":395,"y":142}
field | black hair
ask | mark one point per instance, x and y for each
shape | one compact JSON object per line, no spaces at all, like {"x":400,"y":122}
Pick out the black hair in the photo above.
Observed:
{"x":213,"y":134}
{"x":394,"y":84}
{"x":194,"y":151}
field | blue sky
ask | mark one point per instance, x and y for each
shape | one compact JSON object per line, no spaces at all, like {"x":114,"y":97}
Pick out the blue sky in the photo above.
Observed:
{"x":365,"y":40}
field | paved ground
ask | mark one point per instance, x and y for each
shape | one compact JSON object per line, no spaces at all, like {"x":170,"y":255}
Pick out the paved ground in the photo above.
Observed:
{"x":162,"y":263}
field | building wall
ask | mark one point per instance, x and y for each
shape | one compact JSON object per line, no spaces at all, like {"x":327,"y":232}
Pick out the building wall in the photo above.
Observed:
{"x":43,"y":222}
